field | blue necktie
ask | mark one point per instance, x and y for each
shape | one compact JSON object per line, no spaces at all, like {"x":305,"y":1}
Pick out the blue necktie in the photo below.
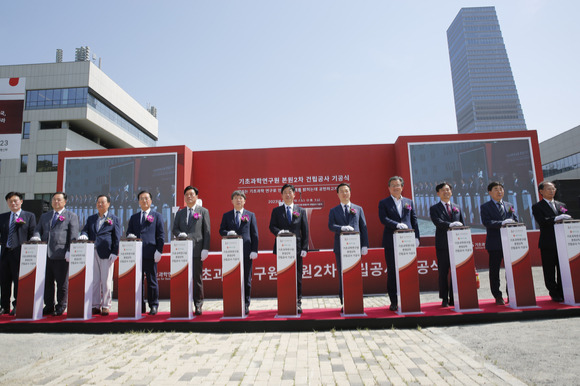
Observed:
{"x":501,"y":210}
{"x":238,"y":219}
{"x":289,"y":215}
{"x":54,"y":218}
{"x":346,"y":212}
{"x":10,"y":241}
{"x":143,"y":218}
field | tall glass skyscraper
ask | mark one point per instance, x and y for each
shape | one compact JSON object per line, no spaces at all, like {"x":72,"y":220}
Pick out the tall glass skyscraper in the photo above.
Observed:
{"x":485,"y":93}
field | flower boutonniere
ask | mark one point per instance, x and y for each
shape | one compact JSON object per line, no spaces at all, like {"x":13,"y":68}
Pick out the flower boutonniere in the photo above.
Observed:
{"x":408,"y":206}
{"x":455,"y":209}
{"x":196,"y":216}
{"x":109,"y":221}
{"x":295,"y":214}
{"x":61,"y":218}
{"x":562,"y":209}
{"x":150,"y":218}
{"x":511,"y":210}
{"x":352,"y":210}
{"x":20,"y":221}
{"x":245,"y":218}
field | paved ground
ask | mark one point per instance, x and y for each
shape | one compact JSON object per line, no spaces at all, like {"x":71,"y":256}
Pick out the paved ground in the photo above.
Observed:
{"x":532,"y":352}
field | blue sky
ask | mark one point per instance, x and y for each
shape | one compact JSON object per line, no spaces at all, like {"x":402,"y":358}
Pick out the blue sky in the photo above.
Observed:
{"x":254,"y":74}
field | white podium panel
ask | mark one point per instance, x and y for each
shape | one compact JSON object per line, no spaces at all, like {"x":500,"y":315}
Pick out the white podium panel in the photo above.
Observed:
{"x":462,"y":264}
{"x":352,"y":284}
{"x":130,"y":284}
{"x":233,"y":276}
{"x":518,"y":266}
{"x":287,"y":286}
{"x":31,"y":281}
{"x":568,"y":244}
{"x":80,"y":280}
{"x":409,"y":299}
{"x":180,"y":286}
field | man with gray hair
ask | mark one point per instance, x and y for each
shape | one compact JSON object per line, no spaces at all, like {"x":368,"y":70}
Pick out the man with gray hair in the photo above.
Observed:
{"x":242,"y":222}
{"x":395,"y":212}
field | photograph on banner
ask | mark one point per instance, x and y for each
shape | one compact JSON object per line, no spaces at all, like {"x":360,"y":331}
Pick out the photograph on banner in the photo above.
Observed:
{"x":469,"y":166}
{"x":122,"y":178}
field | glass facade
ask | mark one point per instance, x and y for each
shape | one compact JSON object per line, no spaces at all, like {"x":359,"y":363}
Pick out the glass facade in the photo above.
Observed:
{"x":24,"y":163}
{"x":47,"y":162}
{"x":81,"y":97}
{"x":486,"y":99}
{"x":562,"y":165}
{"x":26,"y":130}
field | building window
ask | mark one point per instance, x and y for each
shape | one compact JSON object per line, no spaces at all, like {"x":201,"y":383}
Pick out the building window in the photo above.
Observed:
{"x":24,"y":163}
{"x":26,"y":130}
{"x":50,"y":125}
{"x":47,"y":163}
{"x":56,"y":98}
{"x":43,"y":196}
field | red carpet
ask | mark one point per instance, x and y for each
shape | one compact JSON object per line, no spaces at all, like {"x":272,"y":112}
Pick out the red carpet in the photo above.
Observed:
{"x":380,"y":317}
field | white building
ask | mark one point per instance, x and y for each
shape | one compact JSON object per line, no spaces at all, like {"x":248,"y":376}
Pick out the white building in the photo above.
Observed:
{"x":561,"y":156}
{"x":70,"y":106}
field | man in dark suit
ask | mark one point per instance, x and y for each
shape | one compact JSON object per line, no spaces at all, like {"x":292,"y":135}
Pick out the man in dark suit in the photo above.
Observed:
{"x":16,"y":227}
{"x":193,"y":222}
{"x":346,"y":217}
{"x":104,"y":228}
{"x":148,"y":225}
{"x":494,"y":214}
{"x":58,"y":228}
{"x":289,"y":217}
{"x":243,"y":222}
{"x":445,"y":214}
{"x":547,"y":212}
{"x":395,"y":212}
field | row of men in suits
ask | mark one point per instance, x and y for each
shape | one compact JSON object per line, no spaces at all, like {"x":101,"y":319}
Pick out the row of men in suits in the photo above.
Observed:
{"x":494,"y":214}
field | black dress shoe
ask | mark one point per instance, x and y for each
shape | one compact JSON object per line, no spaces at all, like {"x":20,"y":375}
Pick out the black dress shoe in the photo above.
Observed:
{"x":247,"y":310}
{"x":3,"y":311}
{"x":299,"y":310}
{"x":499,"y":301}
{"x":153,"y":310}
{"x":557,"y":299}
{"x":96,"y":311}
{"x":58,"y":312}
{"x":444,"y":303}
{"x":451,"y":303}
{"x":13,"y":312}
{"x":198,"y":310}
{"x":47,"y":310}
{"x":393,"y":307}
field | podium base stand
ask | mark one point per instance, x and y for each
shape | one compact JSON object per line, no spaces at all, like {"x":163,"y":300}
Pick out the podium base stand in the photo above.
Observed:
{"x":522,"y":307}
{"x":233,"y":317}
{"x":78,"y":319}
{"x":287,"y":316}
{"x":28,"y":319}
{"x":181,"y":318}
{"x":409,"y":313}
{"x":456,"y":309}
{"x":129,"y":318}
{"x":353,"y":315}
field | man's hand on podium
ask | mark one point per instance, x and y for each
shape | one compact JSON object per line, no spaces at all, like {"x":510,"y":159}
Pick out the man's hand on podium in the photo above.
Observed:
{"x":35,"y":238}
{"x":562,"y":217}
{"x":182,"y":234}
{"x":346,"y":228}
{"x":83,"y":238}
{"x":131,"y":236}
{"x":402,"y":226}
{"x":232,"y":233}
{"x":455,"y":224}
{"x":507,"y":221}
{"x":283,"y":231}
